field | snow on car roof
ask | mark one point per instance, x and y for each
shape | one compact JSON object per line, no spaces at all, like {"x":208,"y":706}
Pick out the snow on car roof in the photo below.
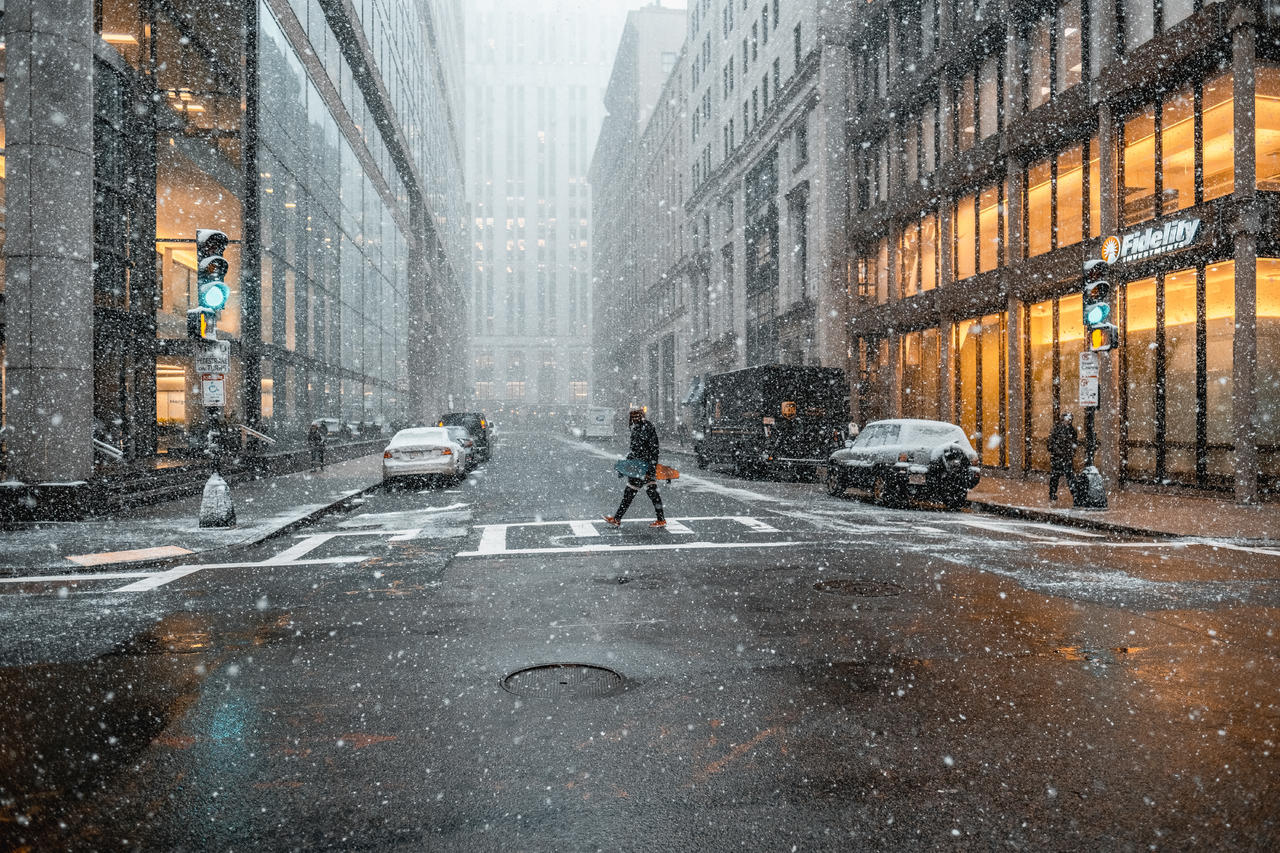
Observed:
{"x":415,"y":434}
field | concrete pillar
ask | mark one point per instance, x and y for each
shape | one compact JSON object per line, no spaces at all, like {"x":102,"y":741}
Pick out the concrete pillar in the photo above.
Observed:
{"x":1244,"y":377}
{"x":49,"y":238}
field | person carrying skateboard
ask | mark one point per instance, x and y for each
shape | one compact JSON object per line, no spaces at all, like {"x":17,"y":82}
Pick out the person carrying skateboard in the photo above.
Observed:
{"x":644,"y":447}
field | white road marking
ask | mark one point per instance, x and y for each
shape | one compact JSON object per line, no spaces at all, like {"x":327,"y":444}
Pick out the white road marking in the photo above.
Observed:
{"x":1217,"y":543}
{"x":674,"y":525}
{"x":600,"y":549}
{"x":87,"y":576}
{"x":494,"y":539}
{"x":583,"y":528}
{"x":135,"y":555}
{"x":755,"y":524}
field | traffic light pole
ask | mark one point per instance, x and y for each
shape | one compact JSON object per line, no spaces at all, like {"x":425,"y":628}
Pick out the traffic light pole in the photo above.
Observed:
{"x":1097,"y":310}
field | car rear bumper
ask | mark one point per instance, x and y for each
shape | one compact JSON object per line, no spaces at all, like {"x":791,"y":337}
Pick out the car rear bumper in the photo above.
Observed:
{"x":446,"y":466}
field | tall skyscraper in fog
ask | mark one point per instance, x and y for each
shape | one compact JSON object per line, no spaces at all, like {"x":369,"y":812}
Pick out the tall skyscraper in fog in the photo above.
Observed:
{"x":536,"y":74}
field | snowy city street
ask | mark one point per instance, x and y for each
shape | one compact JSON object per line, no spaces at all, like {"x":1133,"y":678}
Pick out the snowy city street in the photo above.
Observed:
{"x":481,"y":668}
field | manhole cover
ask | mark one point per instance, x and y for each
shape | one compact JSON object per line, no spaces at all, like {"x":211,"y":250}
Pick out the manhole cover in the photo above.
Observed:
{"x":852,"y":586}
{"x":563,"y":680}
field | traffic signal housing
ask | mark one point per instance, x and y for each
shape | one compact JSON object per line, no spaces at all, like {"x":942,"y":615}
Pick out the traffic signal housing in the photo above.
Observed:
{"x":211,"y":270}
{"x":202,"y":323}
{"x":1103,"y":337}
{"x":1097,"y":307}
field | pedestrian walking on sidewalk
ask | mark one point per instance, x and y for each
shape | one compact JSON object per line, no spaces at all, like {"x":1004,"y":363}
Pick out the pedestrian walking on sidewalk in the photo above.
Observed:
{"x":1063,"y":441}
{"x":315,"y":441}
{"x":644,"y":446}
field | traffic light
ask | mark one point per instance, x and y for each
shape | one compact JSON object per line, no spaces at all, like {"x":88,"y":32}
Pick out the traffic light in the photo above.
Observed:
{"x":202,"y":323}
{"x":211,"y":269}
{"x":1097,"y":308}
{"x":1103,"y":338}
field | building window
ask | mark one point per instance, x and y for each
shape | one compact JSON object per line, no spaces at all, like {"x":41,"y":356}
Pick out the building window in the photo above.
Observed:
{"x":1267,"y":138}
{"x":578,"y":391}
{"x":921,"y":367}
{"x":796,"y":46}
{"x":1176,"y":398}
{"x":980,"y":392}
{"x":989,"y":96}
{"x":1039,"y":61}
{"x":1053,"y":200}
{"x":964,"y":239}
{"x":964,"y":111}
{"x":1139,"y":22}
{"x":1148,"y":192}
{"x":1267,"y":407}
{"x":802,"y":140}
{"x":1055,"y":335}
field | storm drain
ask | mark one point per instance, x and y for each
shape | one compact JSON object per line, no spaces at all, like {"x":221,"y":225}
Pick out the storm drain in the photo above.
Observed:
{"x":563,"y":681}
{"x":856,"y":587}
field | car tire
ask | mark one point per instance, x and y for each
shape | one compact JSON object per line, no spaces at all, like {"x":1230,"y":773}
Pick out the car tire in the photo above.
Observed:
{"x":885,"y":492}
{"x":836,"y":484}
{"x":956,"y":499}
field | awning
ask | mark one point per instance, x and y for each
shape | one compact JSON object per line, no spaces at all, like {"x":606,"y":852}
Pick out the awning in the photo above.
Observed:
{"x":697,"y":391}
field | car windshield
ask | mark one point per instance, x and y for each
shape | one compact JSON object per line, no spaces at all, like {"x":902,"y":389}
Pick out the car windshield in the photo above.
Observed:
{"x":877,"y":435}
{"x":458,"y":433}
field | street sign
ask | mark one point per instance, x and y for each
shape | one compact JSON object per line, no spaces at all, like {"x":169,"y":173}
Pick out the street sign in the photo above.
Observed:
{"x":214,"y":358}
{"x":213,"y":389}
{"x":1089,"y":370}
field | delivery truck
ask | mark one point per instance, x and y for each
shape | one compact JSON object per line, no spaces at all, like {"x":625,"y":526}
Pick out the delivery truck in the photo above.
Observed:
{"x":772,"y":419}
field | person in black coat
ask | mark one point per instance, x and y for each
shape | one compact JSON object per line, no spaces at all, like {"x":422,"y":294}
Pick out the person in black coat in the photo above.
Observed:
{"x":644,"y":446}
{"x":1063,"y":440}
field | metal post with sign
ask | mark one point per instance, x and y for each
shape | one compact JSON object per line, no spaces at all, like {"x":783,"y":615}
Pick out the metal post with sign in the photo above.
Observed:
{"x":1097,"y":309}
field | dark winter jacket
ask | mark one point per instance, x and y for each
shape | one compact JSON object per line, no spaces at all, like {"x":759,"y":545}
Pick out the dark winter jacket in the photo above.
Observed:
{"x":644,"y":442}
{"x":1063,"y":440}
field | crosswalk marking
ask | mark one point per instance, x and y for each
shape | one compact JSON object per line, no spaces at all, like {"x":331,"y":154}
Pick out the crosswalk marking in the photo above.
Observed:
{"x":583,"y":528}
{"x":603,"y":548}
{"x":493,"y":537}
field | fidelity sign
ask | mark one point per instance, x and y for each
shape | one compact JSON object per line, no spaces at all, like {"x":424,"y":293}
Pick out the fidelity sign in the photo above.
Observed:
{"x":1156,"y":240}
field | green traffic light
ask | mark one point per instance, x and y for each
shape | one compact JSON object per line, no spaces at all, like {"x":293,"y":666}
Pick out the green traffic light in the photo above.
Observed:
{"x":213,"y":295}
{"x":1097,"y":314}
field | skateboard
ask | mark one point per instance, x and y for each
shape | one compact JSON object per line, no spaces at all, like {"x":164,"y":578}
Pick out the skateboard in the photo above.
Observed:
{"x":640,"y":470}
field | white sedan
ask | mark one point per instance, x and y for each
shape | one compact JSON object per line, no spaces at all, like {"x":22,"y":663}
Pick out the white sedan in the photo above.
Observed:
{"x":423,"y":452}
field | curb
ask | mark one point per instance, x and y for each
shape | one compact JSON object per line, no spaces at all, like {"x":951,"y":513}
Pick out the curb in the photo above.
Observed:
{"x":1031,"y":514}
{"x":341,"y":502}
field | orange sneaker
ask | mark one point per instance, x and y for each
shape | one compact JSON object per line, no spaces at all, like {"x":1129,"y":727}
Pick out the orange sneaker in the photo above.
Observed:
{"x":616,"y":522}
{"x":662,"y":522}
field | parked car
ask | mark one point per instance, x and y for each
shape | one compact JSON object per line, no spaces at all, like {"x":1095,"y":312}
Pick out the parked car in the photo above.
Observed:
{"x":476,"y":424}
{"x":423,"y":452}
{"x":331,"y":426}
{"x":461,"y":436}
{"x":907,"y":458}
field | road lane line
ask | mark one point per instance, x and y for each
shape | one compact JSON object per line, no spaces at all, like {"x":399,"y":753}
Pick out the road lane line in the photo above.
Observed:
{"x":676,"y":526}
{"x":85,"y":576}
{"x":136,"y":555}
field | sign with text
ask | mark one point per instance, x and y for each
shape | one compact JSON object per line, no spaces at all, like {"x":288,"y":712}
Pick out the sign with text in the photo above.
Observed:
{"x":214,"y":358}
{"x":1089,"y":371}
{"x":213,"y":389}
{"x":1153,"y":240}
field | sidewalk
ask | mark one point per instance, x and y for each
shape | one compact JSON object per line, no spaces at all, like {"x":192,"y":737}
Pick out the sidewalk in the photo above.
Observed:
{"x":264,"y":508}
{"x":1127,"y":512}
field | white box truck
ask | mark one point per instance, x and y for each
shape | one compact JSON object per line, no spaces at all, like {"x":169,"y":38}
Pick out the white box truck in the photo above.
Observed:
{"x":599,"y":423}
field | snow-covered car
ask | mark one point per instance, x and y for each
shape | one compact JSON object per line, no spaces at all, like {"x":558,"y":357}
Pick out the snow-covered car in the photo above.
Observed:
{"x":423,"y":452}
{"x":907,"y":458}
{"x":461,"y":436}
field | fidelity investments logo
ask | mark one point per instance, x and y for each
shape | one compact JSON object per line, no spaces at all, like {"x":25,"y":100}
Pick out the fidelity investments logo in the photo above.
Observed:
{"x":1153,"y":240}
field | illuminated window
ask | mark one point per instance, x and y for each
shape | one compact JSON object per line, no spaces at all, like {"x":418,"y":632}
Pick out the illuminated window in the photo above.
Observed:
{"x":1219,"y":137}
{"x":1267,"y":140}
{"x":1178,"y":148}
{"x":1039,"y":203}
{"x":1138,"y":194}
{"x":963,"y":241}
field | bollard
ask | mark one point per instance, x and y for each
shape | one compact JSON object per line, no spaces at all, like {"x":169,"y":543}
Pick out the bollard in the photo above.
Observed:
{"x":216,"y":506}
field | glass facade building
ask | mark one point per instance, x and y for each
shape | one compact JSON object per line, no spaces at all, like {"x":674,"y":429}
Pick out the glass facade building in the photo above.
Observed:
{"x":997,"y":146}
{"x":324,"y":139}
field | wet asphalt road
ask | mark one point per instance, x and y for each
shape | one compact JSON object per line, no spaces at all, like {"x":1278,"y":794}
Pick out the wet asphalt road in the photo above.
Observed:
{"x":485,"y":668}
